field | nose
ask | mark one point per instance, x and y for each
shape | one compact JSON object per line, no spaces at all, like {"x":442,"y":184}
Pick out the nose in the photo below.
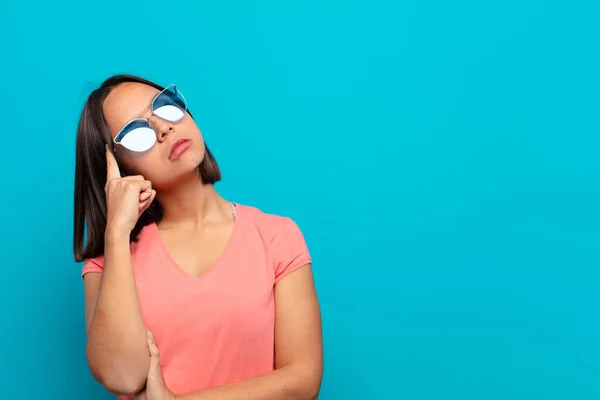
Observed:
{"x":161,"y":127}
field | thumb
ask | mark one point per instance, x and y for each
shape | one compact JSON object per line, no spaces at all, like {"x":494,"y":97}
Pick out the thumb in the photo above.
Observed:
{"x":152,"y":348}
{"x":145,"y":204}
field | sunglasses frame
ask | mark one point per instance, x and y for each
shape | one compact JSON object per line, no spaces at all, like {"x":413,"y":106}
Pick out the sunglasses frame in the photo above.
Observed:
{"x":151,"y":107}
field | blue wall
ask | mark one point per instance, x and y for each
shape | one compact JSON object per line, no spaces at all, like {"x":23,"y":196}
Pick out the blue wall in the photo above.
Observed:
{"x":440,"y":157}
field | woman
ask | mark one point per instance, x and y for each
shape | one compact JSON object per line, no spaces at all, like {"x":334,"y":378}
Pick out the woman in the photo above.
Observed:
{"x":187,"y":295}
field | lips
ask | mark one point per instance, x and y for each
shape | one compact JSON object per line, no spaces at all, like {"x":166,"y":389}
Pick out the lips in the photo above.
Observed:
{"x":178,"y":148}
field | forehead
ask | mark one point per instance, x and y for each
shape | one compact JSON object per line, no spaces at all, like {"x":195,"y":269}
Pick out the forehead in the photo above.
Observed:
{"x":125,"y":102}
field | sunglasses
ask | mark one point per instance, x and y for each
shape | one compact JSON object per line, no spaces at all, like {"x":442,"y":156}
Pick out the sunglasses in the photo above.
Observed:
{"x":138,"y":135}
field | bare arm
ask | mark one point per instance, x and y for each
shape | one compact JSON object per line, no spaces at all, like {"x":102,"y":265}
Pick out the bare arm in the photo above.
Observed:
{"x":298,"y":349}
{"x":116,"y":349}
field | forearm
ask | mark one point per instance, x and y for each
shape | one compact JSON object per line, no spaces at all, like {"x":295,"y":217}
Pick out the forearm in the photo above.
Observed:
{"x":287,"y":383}
{"x":117,"y":340}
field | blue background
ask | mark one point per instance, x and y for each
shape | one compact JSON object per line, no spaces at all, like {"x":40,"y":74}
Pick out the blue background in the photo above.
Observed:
{"x":440,"y":158}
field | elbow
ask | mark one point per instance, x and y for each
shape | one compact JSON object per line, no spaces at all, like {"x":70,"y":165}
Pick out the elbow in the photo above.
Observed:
{"x":120,"y":385}
{"x":309,"y":385}
{"x":311,"y":391}
{"x":306,"y":392}
{"x":117,"y":377}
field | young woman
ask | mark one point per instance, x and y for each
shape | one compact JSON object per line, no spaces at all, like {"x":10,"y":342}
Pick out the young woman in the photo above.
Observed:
{"x":187,"y":295}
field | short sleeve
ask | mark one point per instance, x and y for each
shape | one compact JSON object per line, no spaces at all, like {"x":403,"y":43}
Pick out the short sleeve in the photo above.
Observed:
{"x":290,"y":251}
{"x":92,"y":265}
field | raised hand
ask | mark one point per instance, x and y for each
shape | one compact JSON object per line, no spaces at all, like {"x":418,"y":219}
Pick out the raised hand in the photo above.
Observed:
{"x":126,"y":198}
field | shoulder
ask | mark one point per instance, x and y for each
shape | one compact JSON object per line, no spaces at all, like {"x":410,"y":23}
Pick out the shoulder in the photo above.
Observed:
{"x":282,"y":238}
{"x":270,"y":226}
{"x":94,"y":264}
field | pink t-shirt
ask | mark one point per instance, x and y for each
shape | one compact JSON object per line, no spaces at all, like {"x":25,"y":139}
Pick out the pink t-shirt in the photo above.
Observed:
{"x":217,"y":328}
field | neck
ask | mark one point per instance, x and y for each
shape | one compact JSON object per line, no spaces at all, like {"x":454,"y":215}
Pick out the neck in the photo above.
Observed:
{"x":191,"y":202}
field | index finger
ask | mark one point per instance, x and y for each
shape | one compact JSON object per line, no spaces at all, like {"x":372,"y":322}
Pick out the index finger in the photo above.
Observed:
{"x":112,"y":168}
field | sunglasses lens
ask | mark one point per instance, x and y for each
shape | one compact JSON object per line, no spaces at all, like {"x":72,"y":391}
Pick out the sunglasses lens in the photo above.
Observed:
{"x":138,"y":135}
{"x":170,"y":105}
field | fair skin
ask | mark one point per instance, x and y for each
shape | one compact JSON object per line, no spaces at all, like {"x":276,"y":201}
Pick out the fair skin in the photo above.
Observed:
{"x":195,"y":228}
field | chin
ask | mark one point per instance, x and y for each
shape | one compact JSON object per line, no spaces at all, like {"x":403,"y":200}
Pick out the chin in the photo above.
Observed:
{"x":190,"y":161}
{"x":186,"y":165}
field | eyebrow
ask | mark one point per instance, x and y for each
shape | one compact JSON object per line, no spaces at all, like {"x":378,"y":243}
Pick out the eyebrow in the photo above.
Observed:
{"x":147,"y":107}
{"x":139,"y":114}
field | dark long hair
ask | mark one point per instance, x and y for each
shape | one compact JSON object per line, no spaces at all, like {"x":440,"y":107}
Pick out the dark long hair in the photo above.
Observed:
{"x":93,"y":135}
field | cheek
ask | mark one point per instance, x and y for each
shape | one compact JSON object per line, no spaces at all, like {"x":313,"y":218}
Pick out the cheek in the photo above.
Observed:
{"x":188,"y":128}
{"x":145,"y":164}
{"x":198,"y":152}
{"x":152,"y":165}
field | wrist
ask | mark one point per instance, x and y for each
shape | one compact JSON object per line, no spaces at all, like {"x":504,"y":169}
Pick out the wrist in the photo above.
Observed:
{"x":115,"y":235}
